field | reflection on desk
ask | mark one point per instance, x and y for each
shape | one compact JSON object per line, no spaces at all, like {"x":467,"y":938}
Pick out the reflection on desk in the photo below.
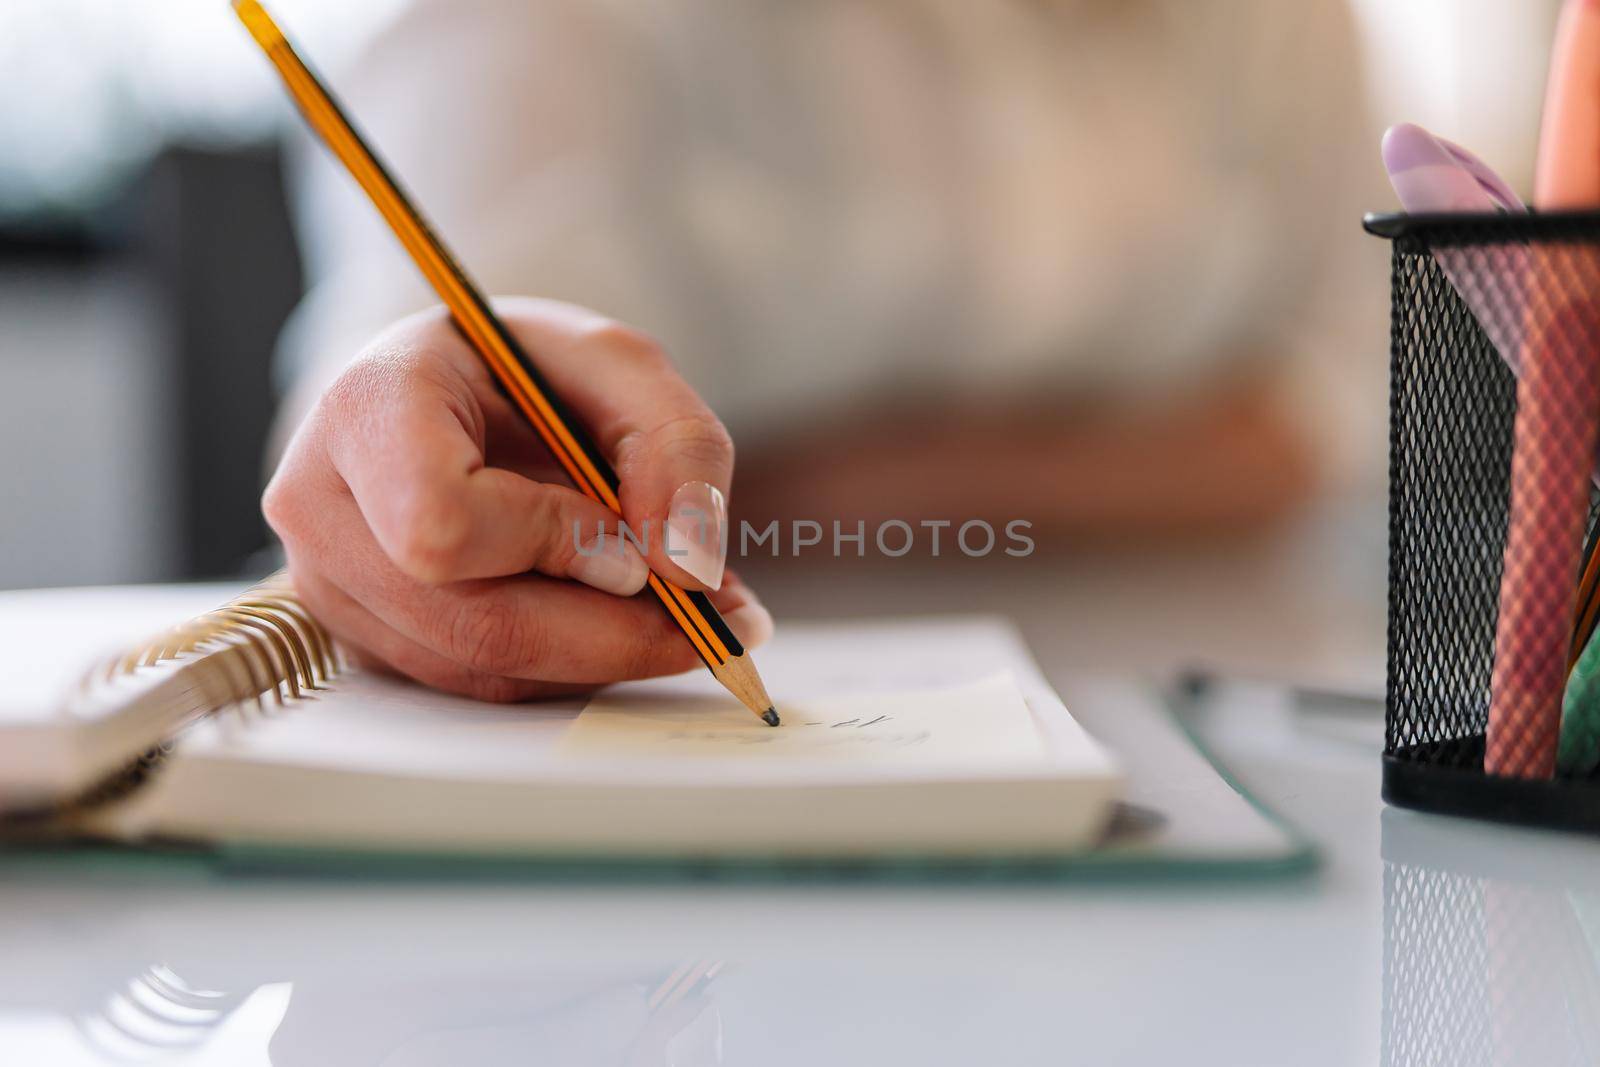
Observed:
{"x":1491,"y":945}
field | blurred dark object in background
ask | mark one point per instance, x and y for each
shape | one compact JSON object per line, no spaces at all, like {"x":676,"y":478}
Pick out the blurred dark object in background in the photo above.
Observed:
{"x":135,"y":355}
{"x":215,"y":227}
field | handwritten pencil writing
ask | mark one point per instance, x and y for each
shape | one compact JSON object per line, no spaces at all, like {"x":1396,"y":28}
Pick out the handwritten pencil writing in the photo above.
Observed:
{"x":772,"y":739}
{"x":984,"y":720}
{"x":856,"y":722}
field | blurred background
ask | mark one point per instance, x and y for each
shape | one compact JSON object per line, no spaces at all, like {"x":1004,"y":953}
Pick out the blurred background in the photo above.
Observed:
{"x":147,"y":264}
{"x":162,"y":222}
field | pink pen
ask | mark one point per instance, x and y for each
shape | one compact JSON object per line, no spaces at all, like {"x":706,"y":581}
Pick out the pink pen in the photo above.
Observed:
{"x":1558,"y":417}
{"x":1556,"y":425}
{"x":1568,"y":171}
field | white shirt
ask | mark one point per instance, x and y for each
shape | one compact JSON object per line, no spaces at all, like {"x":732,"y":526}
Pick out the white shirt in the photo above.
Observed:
{"x":809,"y":201}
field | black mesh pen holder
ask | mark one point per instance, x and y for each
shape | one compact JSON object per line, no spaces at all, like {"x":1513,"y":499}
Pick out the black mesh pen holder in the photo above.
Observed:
{"x":1462,"y":289}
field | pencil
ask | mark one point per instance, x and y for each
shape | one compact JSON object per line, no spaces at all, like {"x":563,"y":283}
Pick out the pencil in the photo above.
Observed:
{"x":589,"y":470}
{"x":1588,"y":598}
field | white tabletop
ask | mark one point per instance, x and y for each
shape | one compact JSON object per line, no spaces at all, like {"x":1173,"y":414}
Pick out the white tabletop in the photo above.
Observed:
{"x":1487,"y":955}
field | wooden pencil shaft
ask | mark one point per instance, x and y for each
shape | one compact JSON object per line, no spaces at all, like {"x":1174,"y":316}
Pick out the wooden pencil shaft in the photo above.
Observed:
{"x":739,"y":676}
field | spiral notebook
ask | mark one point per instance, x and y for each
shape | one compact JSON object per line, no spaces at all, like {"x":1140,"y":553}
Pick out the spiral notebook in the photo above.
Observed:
{"x":244,"y":727}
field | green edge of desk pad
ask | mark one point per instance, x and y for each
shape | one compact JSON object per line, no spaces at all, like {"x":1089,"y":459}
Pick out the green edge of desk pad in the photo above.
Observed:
{"x":1117,"y":863}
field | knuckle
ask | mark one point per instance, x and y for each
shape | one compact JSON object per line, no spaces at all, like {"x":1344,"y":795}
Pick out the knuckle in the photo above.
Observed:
{"x":387,"y":369}
{"x":299,"y":490}
{"x":430,"y":539}
{"x":618,"y":341}
{"x":279,"y":506}
{"x":698,"y":437}
{"x":640,"y":657}
{"x":362,"y":381}
{"x":552,"y":537}
{"x":653,"y":651}
{"x":494,"y":638}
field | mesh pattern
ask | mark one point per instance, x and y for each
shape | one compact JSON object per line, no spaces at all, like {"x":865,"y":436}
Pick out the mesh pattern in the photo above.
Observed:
{"x":1435,"y":978}
{"x":1463,"y":292}
{"x":1452,"y":402}
{"x":1486,"y":971}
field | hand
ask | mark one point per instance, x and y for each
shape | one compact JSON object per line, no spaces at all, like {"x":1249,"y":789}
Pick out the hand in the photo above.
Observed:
{"x":428,"y":527}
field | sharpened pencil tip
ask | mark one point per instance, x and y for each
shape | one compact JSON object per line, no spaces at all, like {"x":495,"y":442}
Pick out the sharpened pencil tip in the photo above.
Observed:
{"x":770,"y":717}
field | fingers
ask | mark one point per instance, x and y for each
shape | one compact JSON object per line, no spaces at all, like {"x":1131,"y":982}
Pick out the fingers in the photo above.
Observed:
{"x":749,"y":620}
{"x":375,"y":644}
{"x":406,"y":443}
{"x":413,"y":535}
{"x":457,"y":637}
{"x":524,"y":627}
{"x":674,"y":459}
{"x":494,"y":640}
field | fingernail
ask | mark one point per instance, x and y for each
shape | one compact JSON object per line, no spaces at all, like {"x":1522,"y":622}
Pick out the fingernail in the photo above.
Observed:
{"x":696,"y":520}
{"x":610,"y":564}
{"x":751,"y":624}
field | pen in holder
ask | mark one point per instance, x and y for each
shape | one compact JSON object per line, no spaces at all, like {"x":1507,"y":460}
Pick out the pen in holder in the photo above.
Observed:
{"x":1476,"y":672}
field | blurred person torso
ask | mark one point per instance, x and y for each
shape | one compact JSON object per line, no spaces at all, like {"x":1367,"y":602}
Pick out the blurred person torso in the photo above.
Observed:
{"x":818,"y":201}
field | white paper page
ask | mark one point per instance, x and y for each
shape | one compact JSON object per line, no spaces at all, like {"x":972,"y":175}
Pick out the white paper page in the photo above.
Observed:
{"x":977,"y":724}
{"x":50,"y":637}
{"x":55,"y":736}
{"x":376,"y":725}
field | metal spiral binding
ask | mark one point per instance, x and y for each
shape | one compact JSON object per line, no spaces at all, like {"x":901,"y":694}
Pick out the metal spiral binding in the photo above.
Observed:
{"x":262,"y":641}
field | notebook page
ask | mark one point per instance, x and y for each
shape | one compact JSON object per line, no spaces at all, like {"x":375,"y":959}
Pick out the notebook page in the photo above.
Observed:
{"x":369,"y":724}
{"x":981,"y":722}
{"x":49,"y":637}
{"x":55,"y":736}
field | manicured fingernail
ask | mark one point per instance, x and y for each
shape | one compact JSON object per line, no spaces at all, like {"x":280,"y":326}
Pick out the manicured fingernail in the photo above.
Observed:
{"x":611,"y":564}
{"x":751,"y":624}
{"x":696,"y":521}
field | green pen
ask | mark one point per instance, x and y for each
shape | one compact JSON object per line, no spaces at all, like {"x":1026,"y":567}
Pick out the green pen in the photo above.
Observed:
{"x":1578,"y":751}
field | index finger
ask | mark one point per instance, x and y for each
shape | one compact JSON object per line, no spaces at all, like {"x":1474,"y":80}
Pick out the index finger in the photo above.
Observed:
{"x":672,"y":456}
